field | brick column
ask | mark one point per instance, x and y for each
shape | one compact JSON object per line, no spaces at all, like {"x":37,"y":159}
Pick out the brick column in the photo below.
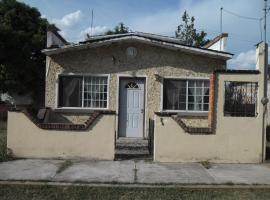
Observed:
{"x":211,"y":99}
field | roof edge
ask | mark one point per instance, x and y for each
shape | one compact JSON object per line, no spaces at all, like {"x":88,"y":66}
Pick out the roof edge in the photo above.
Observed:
{"x":55,"y":30}
{"x":158,"y":40}
{"x":216,"y":39}
{"x":236,"y":71}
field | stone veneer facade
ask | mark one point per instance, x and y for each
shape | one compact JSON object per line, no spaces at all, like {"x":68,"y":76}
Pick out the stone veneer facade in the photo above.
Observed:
{"x":113,"y":60}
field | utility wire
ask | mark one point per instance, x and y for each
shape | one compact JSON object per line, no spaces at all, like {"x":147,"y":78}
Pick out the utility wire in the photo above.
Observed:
{"x":241,"y":16}
{"x":246,"y":17}
{"x":233,"y":35}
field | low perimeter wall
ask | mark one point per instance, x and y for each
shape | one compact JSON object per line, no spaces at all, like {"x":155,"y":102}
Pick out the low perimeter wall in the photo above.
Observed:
{"x":234,"y":139}
{"x":25,"y":139}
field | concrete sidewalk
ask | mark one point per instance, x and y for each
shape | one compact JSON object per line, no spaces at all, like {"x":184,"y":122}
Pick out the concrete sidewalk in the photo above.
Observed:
{"x":133,"y":172}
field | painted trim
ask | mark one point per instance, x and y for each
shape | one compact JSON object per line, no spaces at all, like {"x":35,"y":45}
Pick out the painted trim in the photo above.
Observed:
{"x":166,"y":44}
{"x":180,"y":78}
{"x":185,"y":111}
{"x":154,"y":134}
{"x":186,"y":78}
{"x":78,"y":110}
{"x":48,"y":64}
{"x":56,"y":91}
{"x":83,"y":75}
{"x":119,"y":76}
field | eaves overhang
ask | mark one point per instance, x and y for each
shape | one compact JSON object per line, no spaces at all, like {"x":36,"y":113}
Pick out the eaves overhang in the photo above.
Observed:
{"x":161,"y":41}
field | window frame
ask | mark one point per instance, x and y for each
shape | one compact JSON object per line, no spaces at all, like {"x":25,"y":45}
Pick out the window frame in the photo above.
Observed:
{"x":256,"y":103}
{"x":182,"y":111}
{"x":82,"y":75}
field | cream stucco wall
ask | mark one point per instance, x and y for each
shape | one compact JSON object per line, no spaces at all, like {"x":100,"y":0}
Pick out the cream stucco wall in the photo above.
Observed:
{"x":25,"y":139}
{"x":235,"y":139}
{"x":112,"y":60}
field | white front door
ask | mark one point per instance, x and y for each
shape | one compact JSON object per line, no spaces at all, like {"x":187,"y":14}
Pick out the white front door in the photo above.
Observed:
{"x":131,"y":107}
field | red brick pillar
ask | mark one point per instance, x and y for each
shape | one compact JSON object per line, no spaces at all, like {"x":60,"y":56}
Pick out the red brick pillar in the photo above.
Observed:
{"x":211,"y":99}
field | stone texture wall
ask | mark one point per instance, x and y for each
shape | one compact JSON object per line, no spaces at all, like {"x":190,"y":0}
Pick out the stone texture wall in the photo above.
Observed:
{"x":196,"y":122}
{"x":113,"y":60}
{"x":76,"y":118}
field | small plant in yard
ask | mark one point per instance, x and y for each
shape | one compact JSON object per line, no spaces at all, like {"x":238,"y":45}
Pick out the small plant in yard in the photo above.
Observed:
{"x":206,"y":164}
{"x":56,"y":192}
{"x":3,"y":151}
{"x":229,"y":183}
{"x":64,"y":166}
{"x":3,"y":142}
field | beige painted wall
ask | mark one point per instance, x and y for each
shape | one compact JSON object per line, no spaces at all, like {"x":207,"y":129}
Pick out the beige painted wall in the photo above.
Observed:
{"x":25,"y":139}
{"x":236,"y":139}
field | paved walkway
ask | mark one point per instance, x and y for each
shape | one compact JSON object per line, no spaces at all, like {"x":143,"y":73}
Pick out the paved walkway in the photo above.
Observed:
{"x":134,"y":172}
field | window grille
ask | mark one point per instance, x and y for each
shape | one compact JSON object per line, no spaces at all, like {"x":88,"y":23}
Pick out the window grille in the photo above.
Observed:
{"x":83,"y":91}
{"x":132,"y":85}
{"x":240,"y":99}
{"x":186,"y":95}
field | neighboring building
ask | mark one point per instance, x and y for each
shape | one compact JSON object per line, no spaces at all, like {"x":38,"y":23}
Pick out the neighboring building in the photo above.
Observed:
{"x":134,"y":94}
{"x":219,"y":43}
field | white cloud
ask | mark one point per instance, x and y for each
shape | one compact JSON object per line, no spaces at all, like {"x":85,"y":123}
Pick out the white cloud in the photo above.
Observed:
{"x":97,"y":30}
{"x":244,"y":60}
{"x":207,"y":15}
{"x":163,"y":22}
{"x":243,"y":34}
{"x":68,"y":20}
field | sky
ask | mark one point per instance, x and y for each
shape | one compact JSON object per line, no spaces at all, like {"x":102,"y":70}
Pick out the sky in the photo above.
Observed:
{"x":162,"y":17}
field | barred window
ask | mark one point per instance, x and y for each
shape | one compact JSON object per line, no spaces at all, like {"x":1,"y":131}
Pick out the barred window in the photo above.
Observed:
{"x":240,"y":99}
{"x":186,"y":95}
{"x":83,"y":91}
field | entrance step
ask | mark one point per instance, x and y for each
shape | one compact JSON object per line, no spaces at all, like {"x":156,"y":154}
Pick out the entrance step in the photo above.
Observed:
{"x":130,"y":148}
{"x":130,"y":144}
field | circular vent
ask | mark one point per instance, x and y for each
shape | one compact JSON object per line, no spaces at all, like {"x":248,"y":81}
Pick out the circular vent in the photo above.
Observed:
{"x":131,"y":52}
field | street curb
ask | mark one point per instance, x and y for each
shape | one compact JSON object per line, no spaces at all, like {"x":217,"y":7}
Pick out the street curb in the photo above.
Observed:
{"x":183,"y":186}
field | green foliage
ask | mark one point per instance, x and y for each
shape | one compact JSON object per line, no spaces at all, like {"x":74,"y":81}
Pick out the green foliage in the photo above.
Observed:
{"x":56,"y":192}
{"x":23,"y":36}
{"x":187,"y":33}
{"x":206,"y":164}
{"x":3,"y":141}
{"x":119,"y":29}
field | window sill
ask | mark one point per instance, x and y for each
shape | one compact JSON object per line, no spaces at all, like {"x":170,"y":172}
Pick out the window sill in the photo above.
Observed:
{"x":79,"y":110}
{"x":183,"y":113}
{"x":240,"y":116}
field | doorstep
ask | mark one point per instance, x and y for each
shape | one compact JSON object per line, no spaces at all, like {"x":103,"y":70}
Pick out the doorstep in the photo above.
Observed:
{"x":132,"y":148}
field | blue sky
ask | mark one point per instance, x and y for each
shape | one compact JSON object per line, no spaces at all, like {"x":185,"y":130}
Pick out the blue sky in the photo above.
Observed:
{"x":73,"y":17}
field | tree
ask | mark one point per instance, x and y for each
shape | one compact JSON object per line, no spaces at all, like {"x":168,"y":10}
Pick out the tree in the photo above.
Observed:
{"x":187,"y":33}
{"x":119,"y":29}
{"x":23,"y":36}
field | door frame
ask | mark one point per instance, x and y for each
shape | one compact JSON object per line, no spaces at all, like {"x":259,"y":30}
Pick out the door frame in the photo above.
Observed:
{"x":128,"y":76}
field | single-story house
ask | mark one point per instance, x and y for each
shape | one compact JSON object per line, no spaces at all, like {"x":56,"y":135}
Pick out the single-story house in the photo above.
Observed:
{"x":140,"y":95}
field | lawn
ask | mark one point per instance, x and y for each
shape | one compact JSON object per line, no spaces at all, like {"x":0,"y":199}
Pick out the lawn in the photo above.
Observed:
{"x":44,"y":192}
{"x":3,"y":140}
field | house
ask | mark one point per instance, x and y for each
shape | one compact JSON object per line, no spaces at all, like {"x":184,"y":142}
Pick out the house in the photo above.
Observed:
{"x":140,"y":94}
